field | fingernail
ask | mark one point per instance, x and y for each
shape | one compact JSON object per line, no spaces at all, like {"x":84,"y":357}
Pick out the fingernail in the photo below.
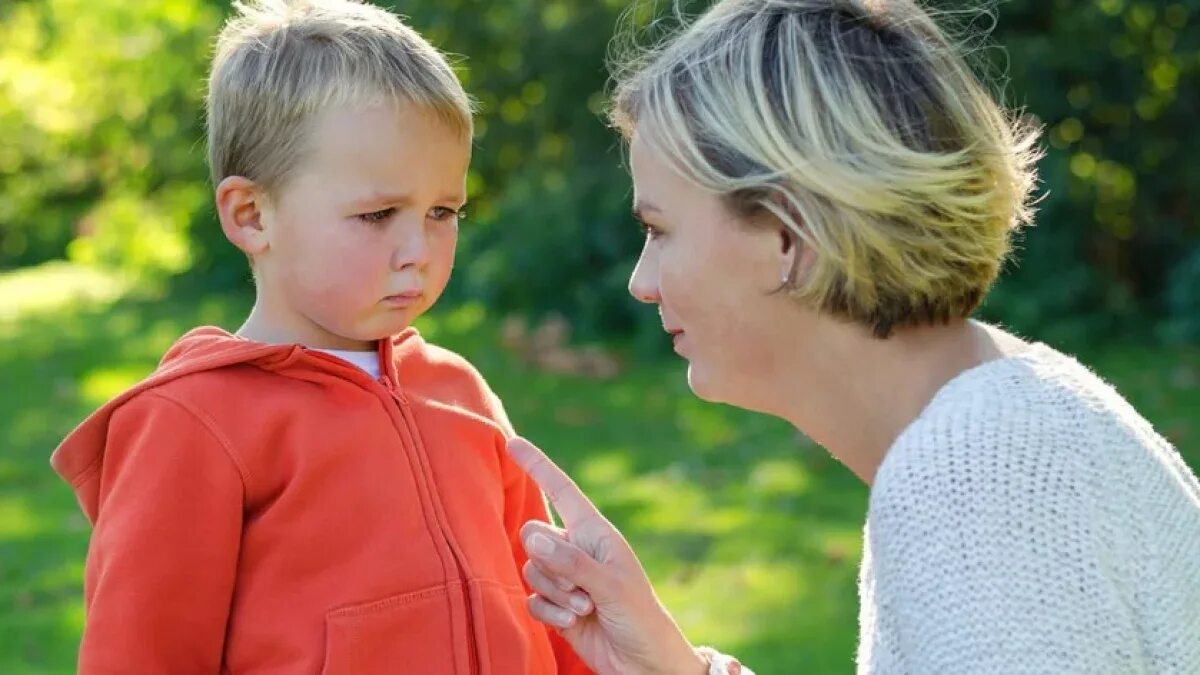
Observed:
{"x":563,"y":618}
{"x":564,"y":585}
{"x":541,"y":546}
{"x":580,"y":604}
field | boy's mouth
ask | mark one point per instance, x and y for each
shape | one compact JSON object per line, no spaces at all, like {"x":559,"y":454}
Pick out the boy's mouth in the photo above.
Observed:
{"x":405,"y":298}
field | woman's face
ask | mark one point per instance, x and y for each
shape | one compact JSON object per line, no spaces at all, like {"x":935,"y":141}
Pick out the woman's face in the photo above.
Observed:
{"x":712,"y":277}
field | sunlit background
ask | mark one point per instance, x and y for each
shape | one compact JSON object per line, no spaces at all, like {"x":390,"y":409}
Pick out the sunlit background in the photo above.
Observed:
{"x":109,"y":251}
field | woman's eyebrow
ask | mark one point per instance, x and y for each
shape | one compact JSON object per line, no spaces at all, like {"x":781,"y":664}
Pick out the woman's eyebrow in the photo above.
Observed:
{"x":641,"y":208}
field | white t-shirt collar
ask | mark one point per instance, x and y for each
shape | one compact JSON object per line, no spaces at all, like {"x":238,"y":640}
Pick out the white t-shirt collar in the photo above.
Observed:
{"x":367,"y":361}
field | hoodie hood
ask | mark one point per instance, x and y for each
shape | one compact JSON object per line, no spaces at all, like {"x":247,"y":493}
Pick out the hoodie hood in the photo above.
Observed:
{"x":81,"y":454}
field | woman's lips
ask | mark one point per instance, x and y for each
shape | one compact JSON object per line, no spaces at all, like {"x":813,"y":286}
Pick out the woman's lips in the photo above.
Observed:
{"x":676,"y":337}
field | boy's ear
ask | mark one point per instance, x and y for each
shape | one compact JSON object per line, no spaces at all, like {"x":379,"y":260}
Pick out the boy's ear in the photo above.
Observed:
{"x":240,"y":204}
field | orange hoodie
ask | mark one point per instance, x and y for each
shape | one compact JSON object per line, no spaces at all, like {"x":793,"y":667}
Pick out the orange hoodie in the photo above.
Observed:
{"x":272,"y":509}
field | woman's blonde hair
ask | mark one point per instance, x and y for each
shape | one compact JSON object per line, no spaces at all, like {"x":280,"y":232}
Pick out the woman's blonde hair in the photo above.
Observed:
{"x":857,"y":124}
{"x":280,"y":63}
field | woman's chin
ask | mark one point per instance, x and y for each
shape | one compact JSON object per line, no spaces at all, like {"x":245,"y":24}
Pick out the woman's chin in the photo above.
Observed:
{"x":700,"y":384}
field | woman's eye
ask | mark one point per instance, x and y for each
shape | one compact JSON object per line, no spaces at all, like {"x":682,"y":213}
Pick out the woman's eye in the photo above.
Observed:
{"x":651,"y":231}
{"x":377,"y":217}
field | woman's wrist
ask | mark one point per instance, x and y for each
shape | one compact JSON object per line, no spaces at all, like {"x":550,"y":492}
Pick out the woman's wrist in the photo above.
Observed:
{"x":716,"y":663}
{"x":705,"y":661}
{"x":690,"y":662}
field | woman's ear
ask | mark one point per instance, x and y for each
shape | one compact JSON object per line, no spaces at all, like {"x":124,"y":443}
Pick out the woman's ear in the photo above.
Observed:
{"x":240,"y":204}
{"x":789,"y":257}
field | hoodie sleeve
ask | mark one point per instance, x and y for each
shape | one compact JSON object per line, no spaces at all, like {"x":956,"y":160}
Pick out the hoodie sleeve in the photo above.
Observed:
{"x":163,"y":555}
{"x":524,"y":501}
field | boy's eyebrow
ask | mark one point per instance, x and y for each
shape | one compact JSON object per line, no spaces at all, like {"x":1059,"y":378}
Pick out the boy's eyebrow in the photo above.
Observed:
{"x":382,"y":198}
{"x":402,"y":199}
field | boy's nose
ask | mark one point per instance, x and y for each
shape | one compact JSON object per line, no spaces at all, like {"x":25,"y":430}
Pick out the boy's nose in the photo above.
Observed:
{"x":412,"y":250}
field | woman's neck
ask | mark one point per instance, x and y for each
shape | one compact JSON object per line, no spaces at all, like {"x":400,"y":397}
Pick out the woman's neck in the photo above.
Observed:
{"x":855,"y":394}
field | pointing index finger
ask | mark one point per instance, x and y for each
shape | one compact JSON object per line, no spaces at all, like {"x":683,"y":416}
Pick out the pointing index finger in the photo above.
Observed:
{"x":564,"y":494}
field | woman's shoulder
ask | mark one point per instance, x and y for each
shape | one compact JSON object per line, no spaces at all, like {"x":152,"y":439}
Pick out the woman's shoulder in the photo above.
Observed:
{"x":1033,"y":433}
{"x":1035,"y":381}
{"x":1035,"y":417}
{"x":1034,"y":400}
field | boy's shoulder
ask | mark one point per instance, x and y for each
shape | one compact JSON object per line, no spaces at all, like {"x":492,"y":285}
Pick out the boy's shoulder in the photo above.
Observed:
{"x":443,"y":377}
{"x":228,"y":386}
{"x":176,"y":401}
{"x":205,"y":372}
{"x":418,"y":360}
{"x":210,"y":366}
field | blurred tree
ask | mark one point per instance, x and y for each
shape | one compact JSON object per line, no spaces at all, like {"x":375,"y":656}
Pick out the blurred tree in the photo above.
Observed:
{"x":100,"y":112}
{"x":1115,"y":84}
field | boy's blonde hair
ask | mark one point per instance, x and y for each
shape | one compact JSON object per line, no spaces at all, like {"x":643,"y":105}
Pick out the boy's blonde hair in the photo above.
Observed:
{"x":279,"y":63}
{"x":858,"y":125}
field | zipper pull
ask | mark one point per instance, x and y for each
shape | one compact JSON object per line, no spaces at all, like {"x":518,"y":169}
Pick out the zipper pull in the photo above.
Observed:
{"x":392,"y":389}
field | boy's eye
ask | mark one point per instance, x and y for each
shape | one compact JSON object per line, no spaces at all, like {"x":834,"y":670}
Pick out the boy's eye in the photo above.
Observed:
{"x":445,"y":213}
{"x":377,"y":217}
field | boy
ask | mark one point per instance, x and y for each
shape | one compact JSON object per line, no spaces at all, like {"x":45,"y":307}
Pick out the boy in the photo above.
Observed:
{"x":322,"y":492}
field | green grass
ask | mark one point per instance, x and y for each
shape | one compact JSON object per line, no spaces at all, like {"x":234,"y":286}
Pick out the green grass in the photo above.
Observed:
{"x":751,"y":534}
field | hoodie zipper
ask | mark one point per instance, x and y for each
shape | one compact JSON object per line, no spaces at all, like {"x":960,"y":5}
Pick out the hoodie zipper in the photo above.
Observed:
{"x":460,"y":564}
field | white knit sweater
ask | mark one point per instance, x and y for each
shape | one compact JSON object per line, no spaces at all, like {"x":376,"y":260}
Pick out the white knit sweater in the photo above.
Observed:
{"x":1030,"y":521}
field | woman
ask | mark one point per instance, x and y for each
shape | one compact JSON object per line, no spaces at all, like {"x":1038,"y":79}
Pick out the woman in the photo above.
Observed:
{"x":828,"y":193}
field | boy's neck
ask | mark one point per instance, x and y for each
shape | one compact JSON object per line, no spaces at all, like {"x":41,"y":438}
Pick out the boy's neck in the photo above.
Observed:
{"x":261,"y":326}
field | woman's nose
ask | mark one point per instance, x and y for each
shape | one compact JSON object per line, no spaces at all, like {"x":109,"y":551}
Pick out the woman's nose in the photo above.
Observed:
{"x":643,"y":285}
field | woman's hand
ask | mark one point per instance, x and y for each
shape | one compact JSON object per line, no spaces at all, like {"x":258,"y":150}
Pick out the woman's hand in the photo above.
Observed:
{"x":624,"y":629}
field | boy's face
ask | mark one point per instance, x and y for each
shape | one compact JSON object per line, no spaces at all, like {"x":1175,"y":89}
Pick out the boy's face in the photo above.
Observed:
{"x":360,"y":241}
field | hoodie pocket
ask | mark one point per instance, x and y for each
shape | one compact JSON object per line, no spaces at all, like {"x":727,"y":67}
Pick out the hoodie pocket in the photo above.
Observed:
{"x":410,"y":632}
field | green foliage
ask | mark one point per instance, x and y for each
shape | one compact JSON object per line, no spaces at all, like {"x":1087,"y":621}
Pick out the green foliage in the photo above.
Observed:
{"x":100,"y":106}
{"x":1114,"y":83}
{"x":1183,"y":296}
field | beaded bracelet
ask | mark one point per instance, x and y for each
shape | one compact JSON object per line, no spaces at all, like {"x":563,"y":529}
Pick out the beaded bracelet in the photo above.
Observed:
{"x":720,"y":664}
